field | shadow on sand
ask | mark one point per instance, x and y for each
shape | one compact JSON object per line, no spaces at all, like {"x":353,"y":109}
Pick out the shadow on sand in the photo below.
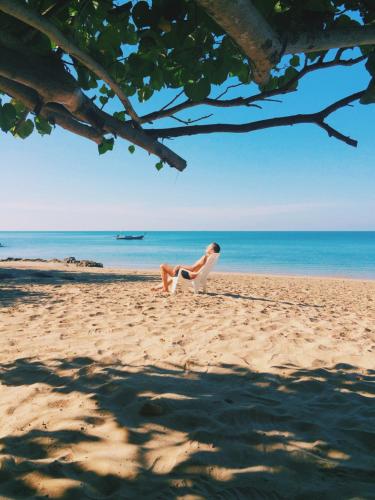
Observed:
{"x":307,"y":435}
{"x":12,"y":280}
{"x":263,"y":299}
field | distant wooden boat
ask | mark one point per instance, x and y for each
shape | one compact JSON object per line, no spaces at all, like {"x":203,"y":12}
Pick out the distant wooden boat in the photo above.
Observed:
{"x":130,"y":237}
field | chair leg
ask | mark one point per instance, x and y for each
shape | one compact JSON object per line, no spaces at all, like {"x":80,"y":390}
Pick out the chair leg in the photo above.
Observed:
{"x":174,"y":285}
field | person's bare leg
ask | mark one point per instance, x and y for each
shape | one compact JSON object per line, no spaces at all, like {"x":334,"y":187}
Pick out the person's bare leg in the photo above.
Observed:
{"x":166,"y":272}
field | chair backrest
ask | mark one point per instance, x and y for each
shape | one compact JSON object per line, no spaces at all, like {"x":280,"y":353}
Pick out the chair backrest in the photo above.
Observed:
{"x":211,"y":261}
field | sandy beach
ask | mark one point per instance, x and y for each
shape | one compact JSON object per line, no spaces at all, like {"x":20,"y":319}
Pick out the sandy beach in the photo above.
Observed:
{"x":261,"y":388}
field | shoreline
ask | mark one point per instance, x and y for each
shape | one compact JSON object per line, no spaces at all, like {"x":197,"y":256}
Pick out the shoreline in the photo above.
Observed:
{"x":48,"y":264}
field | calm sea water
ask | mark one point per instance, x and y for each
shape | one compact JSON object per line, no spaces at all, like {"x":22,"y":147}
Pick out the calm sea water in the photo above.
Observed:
{"x":350,"y":254}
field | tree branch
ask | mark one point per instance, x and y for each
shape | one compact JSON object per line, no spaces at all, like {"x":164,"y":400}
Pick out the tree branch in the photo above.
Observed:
{"x":38,"y":22}
{"x":227,"y":89}
{"x":249,"y":101}
{"x":189,"y":122}
{"x":46,"y":76}
{"x":313,"y":118}
{"x":241,"y":20}
{"x":334,"y":38}
{"x":58,"y":87}
{"x":172,"y":100}
{"x":52,"y":113}
{"x":338,"y":135}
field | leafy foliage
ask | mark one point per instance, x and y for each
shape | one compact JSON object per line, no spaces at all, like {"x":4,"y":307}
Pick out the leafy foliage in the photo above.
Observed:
{"x":147,"y":46}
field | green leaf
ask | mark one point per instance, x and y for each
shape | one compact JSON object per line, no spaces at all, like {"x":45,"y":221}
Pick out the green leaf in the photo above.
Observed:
{"x":289,"y":75}
{"x":369,"y":95}
{"x":103,"y":100}
{"x":280,"y":7}
{"x":8,"y":116}
{"x":19,"y":107}
{"x":42,"y":125}
{"x":145,"y":93}
{"x":120,"y":115}
{"x":129,"y":90}
{"x":244,"y":74}
{"x":271,"y":85}
{"x":130,"y":35}
{"x":312,"y":56}
{"x":142,"y":15}
{"x":164,"y":25}
{"x":197,"y":91}
{"x":131,"y":149}
{"x":85,"y":78}
{"x":157,"y":79}
{"x":106,"y":145}
{"x":159,"y":165}
{"x":25,"y":129}
{"x":294,"y":61}
{"x":345,"y":21}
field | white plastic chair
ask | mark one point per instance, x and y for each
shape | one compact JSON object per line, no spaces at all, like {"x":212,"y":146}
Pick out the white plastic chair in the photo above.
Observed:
{"x":199,"y":283}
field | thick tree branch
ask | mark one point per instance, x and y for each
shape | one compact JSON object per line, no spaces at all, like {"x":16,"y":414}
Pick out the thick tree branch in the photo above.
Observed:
{"x":32,"y":18}
{"x":53,"y":113}
{"x":241,"y":20}
{"x":333,"y":38}
{"x":46,"y":76}
{"x":313,"y":118}
{"x":60,"y":88}
{"x":249,"y":101}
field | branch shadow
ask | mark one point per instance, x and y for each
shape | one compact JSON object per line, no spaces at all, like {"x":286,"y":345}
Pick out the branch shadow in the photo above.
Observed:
{"x":309,"y":434}
{"x":13,"y":279}
{"x":12,"y":296}
{"x":263,"y":299}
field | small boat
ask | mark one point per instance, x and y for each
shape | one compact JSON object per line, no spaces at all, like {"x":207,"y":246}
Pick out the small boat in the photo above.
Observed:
{"x":130,"y":237}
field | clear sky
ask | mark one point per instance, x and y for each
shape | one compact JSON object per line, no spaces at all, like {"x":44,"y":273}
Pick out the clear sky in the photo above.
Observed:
{"x":293,"y":178}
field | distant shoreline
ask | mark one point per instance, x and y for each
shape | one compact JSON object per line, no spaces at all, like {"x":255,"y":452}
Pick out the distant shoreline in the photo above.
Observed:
{"x":325,"y":254}
{"x":57,"y":264}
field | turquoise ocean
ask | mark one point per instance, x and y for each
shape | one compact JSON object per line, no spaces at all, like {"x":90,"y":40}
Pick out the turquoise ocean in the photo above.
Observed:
{"x":346,"y":254}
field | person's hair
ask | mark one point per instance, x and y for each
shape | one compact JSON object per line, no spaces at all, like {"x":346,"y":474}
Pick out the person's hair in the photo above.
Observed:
{"x":216,"y":247}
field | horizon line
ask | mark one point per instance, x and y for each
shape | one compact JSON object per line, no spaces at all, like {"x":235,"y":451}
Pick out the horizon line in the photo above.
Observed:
{"x":187,"y":230}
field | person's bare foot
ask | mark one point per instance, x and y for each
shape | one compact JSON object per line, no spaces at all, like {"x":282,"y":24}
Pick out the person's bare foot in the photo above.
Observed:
{"x":159,"y":289}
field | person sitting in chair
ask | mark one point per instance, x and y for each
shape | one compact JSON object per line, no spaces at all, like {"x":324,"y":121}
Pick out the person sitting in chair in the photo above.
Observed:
{"x":189,"y":272}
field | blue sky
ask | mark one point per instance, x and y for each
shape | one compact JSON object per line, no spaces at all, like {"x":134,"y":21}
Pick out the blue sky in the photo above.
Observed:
{"x":293,"y":178}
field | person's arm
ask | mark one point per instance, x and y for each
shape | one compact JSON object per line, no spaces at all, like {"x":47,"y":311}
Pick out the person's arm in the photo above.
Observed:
{"x":195,"y":267}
